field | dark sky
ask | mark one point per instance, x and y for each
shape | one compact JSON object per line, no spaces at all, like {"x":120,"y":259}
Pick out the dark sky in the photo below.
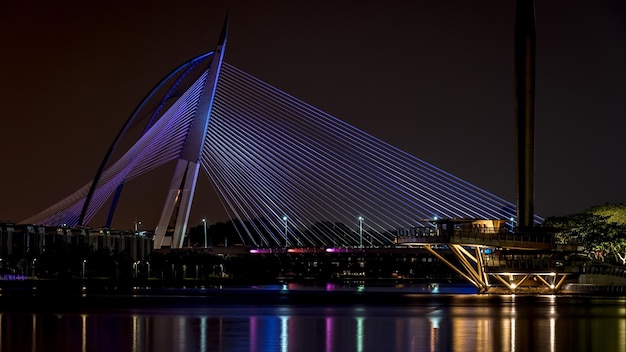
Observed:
{"x":434,"y":78}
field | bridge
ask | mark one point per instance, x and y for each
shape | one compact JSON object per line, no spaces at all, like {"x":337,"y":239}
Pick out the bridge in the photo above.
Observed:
{"x":296,"y":176}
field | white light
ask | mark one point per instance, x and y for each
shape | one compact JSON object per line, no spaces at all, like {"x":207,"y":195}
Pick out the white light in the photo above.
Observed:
{"x":360,"y":231}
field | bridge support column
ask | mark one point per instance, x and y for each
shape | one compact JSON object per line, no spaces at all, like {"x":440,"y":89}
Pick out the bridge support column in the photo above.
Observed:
{"x":179,"y":198}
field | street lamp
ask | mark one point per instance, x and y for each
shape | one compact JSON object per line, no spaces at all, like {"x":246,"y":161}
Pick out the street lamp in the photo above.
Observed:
{"x":286,"y":220}
{"x":136,"y":267}
{"x":137,"y":223}
{"x":204,"y":223}
{"x":361,"y":232}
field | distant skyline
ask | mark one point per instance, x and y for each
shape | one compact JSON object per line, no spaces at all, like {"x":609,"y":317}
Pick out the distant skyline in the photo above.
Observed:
{"x":434,"y":78}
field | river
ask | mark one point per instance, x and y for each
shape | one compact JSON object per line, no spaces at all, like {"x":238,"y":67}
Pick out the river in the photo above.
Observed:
{"x":280,"y":319}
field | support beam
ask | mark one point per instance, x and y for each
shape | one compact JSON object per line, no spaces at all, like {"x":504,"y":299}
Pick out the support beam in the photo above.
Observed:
{"x":506,"y":283}
{"x":520,"y":282}
{"x":480,"y":263}
{"x":460,"y":252}
{"x":545,"y":282}
{"x":453,"y":267}
{"x":561,"y":282}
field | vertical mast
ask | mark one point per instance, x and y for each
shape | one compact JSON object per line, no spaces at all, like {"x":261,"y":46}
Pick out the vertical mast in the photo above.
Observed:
{"x":525,"y":110}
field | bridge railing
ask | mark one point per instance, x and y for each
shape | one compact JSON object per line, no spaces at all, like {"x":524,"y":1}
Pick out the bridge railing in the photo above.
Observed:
{"x":486,"y":235}
{"x":608,"y":270}
{"x":422,"y":238}
{"x":498,"y":264}
{"x":481,"y":235}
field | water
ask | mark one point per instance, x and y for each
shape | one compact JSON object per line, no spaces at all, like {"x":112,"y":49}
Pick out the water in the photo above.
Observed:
{"x":268,"y":320}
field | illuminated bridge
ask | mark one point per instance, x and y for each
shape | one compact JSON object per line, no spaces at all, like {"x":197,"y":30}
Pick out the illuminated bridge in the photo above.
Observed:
{"x":294,"y":174}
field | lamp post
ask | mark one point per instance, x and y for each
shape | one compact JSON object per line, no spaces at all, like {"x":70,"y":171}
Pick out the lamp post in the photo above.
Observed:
{"x":286,"y":220}
{"x":204,"y":223}
{"x":137,"y":223}
{"x":360,"y":232}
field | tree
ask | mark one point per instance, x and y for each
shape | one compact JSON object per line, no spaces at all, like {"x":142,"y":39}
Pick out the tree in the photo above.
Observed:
{"x":600,"y":229}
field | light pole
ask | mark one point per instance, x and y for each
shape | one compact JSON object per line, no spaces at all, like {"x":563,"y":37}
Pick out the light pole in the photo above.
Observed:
{"x":286,"y":220}
{"x":135,"y":266}
{"x":204,"y":223}
{"x":137,"y":223}
{"x":361,"y":232}
{"x":83,"y":271}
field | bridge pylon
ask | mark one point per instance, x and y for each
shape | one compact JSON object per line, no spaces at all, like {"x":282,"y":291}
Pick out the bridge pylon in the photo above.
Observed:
{"x":183,"y":183}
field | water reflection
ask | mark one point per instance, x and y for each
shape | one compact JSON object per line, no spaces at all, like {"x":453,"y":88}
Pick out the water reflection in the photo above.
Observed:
{"x":463,"y":323}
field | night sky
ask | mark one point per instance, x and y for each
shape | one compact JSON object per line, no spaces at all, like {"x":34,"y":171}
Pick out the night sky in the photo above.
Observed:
{"x":434,"y":78}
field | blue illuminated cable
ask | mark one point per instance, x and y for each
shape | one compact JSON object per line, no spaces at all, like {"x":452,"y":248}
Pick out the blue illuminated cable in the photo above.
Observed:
{"x":265,"y":98}
{"x":430,"y":166}
{"x":268,"y":175}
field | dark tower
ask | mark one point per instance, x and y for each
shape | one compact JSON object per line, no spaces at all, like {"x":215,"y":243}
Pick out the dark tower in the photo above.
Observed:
{"x":525,"y":110}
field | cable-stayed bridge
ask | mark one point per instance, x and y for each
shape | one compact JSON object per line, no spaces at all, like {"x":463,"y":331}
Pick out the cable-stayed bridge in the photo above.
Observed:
{"x":295,"y":176}
{"x":271,"y":158}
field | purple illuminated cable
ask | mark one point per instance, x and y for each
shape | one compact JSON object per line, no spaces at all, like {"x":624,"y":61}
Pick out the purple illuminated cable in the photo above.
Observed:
{"x":255,"y":182}
{"x":268,"y":154}
{"x":230,"y":125}
{"x":313,"y":151}
{"x":126,"y":167}
{"x":498,"y":209}
{"x":317,"y":111}
{"x":65,"y":210}
{"x":509,"y":204}
{"x":267,"y":99}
